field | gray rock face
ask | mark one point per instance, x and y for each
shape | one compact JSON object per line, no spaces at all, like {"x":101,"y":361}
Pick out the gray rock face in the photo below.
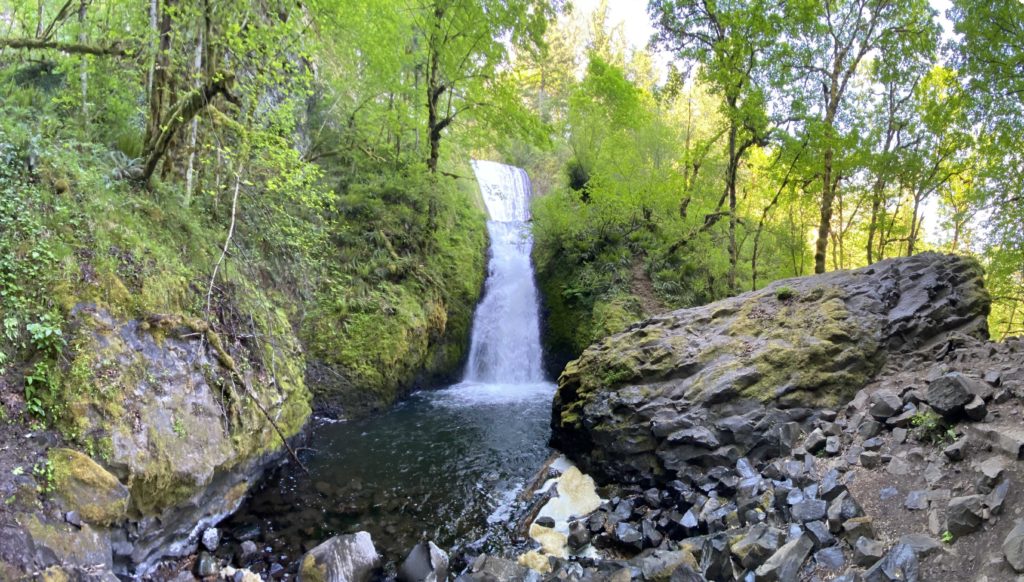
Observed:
{"x":709,"y":385}
{"x":1013,"y":547}
{"x":425,"y":563}
{"x":346,"y":558}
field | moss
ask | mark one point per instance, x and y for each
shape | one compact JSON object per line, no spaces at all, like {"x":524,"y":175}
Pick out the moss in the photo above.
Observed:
{"x":312,"y":571}
{"x":87,"y":487}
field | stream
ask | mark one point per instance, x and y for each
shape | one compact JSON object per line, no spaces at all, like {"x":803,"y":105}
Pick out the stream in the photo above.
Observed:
{"x":443,"y":465}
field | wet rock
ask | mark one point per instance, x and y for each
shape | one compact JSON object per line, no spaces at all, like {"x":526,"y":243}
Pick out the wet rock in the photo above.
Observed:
{"x":867,"y":551}
{"x":343,"y":558}
{"x":964,"y":514}
{"x":488,"y":568}
{"x":579,"y":536}
{"x":211,"y":538}
{"x":1013,"y":547}
{"x":715,"y":560}
{"x":949,"y":394}
{"x":247,"y":550}
{"x":73,"y":518}
{"x":206,"y":565}
{"x":545,"y":521}
{"x":899,"y":564}
{"x":425,"y":563}
{"x":785,"y":564}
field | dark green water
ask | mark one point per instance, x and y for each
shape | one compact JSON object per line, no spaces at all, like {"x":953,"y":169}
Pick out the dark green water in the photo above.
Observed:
{"x":445,"y":466}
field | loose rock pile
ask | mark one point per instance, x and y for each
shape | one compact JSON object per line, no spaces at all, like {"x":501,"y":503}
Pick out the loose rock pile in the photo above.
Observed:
{"x":909,"y":481}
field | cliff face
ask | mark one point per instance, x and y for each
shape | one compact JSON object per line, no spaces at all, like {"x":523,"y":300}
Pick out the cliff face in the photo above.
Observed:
{"x":709,"y":385}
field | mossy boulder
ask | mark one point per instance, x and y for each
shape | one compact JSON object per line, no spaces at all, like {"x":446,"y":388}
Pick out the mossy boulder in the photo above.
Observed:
{"x":738,"y":368}
{"x":175,"y":410}
{"x":88,"y":488}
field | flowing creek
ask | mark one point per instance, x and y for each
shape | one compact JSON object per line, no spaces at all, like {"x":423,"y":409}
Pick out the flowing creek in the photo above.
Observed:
{"x":444,"y":465}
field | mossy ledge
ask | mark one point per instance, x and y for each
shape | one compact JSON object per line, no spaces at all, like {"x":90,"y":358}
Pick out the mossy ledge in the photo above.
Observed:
{"x":689,"y":387}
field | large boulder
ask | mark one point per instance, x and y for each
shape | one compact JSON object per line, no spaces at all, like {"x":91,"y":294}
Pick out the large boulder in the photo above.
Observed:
{"x":733,"y":372}
{"x":344,"y":558}
{"x":170,"y":407}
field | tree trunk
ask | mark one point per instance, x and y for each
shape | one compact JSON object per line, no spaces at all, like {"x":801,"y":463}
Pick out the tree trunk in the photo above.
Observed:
{"x":84,"y":71}
{"x":730,"y":187}
{"x":827,"y":196}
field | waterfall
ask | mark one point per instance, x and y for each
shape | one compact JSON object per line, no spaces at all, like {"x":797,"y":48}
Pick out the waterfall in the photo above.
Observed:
{"x":505,"y":341}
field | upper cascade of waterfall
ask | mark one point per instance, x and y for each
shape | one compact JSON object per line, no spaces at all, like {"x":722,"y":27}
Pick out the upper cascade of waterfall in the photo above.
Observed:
{"x":506,"y":190}
{"x":505,"y":341}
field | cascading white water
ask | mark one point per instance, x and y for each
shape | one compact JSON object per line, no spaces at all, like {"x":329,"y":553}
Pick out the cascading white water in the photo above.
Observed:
{"x":505,"y":342}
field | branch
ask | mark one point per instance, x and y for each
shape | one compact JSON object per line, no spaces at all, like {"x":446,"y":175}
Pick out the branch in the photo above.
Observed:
{"x":113,"y":50}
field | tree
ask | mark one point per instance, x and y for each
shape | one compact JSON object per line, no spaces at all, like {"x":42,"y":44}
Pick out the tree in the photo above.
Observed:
{"x":465,"y":42}
{"x":828,"y":41}
{"x":730,"y":42}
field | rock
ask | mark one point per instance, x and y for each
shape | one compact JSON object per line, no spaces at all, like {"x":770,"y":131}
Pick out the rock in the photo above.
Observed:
{"x":548,"y":522}
{"x":246,"y":550}
{"x":955,"y":451}
{"x":870,"y":459}
{"x":628,"y":535}
{"x":820,"y":534}
{"x":832,"y":446}
{"x":73,"y":518}
{"x":949,"y":394}
{"x":867,"y":551}
{"x":276,"y":570}
{"x":916,"y":500}
{"x":858,"y":527}
{"x":343,"y":558}
{"x":661,"y":564}
{"x":1013,"y":547}
{"x":206,"y":565}
{"x":923,"y":544}
{"x":425,"y":563}
{"x":976,"y":409}
{"x":830,"y":559}
{"x":1008,"y":439}
{"x":964,"y":514}
{"x":991,"y":470}
{"x":869,"y":428}
{"x":899,"y":564}
{"x":885,"y":403}
{"x":995,"y":498}
{"x":494,"y":569}
{"x":579,"y":536}
{"x":842,"y":509}
{"x":810,"y":510}
{"x":747,"y":365}
{"x":757,"y":546}
{"x":211,"y":538}
{"x":784,"y":565}
{"x":92,"y":491}
{"x":815,"y":441}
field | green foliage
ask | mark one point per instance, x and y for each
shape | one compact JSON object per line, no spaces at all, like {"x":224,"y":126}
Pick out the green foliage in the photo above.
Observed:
{"x":43,"y":471}
{"x":930,"y":427}
{"x":947,"y":537}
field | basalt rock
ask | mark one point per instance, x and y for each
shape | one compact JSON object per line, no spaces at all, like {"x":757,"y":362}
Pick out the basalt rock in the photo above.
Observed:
{"x":708,"y":385}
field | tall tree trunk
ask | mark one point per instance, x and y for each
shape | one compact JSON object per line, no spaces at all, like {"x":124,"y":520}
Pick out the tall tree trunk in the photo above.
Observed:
{"x":827,"y":196}
{"x":194,"y":135}
{"x":730,"y":187}
{"x":159,"y":97}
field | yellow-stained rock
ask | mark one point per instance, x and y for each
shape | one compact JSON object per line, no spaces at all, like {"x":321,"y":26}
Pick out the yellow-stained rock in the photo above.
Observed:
{"x":535,"y":561}
{"x":88,"y":488}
